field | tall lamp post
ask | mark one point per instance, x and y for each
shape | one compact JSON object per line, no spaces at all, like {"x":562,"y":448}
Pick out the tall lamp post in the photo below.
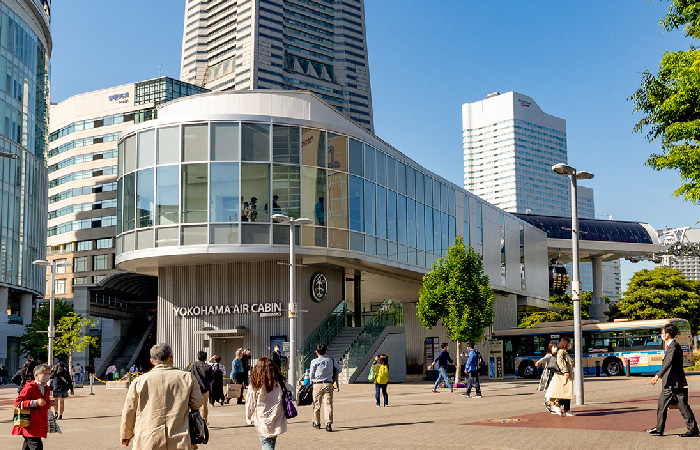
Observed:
{"x":563,"y":169}
{"x":52,"y":328}
{"x":292,"y":308}
{"x":8,"y":155}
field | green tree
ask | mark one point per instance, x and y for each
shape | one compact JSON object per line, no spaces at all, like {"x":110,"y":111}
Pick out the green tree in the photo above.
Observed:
{"x":69,"y":337}
{"x":661,"y":293}
{"x":35,"y":339}
{"x":563,"y":309}
{"x":670,"y":101}
{"x":457,"y":293}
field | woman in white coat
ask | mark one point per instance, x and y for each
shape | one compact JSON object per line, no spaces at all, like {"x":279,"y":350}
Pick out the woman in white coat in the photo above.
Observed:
{"x":264,"y":407}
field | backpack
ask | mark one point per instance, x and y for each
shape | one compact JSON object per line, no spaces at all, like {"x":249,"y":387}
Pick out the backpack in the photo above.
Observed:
{"x":480,"y":364}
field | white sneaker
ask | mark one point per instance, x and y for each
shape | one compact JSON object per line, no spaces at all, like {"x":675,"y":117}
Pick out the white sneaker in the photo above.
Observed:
{"x":556,"y":410}
{"x":477,"y":396}
{"x":568,"y":414}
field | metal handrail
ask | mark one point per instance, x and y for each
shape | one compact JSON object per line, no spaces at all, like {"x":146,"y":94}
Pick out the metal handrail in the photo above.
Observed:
{"x":324,"y":333}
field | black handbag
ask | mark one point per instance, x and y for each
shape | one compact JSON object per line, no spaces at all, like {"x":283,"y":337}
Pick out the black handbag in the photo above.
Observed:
{"x":552,"y":365}
{"x":305,"y":395}
{"x":199,"y":433}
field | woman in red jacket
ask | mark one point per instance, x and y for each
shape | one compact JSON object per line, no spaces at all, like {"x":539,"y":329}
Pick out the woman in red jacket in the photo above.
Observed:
{"x":36,"y":396}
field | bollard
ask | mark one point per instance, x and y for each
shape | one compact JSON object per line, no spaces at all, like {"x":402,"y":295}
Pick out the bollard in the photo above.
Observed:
{"x":91,"y":377}
{"x":627,"y":368}
{"x":597,"y":368}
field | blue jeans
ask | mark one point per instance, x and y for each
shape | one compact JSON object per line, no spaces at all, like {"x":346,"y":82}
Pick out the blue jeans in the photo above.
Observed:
{"x":442,"y":374}
{"x":473,"y":382}
{"x":382,"y":387}
{"x":268,"y":443}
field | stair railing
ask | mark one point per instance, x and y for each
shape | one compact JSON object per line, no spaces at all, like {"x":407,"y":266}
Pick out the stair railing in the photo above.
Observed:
{"x":324,"y":333}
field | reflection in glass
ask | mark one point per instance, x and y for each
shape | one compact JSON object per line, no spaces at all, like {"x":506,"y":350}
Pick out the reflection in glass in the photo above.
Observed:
{"x":196,"y":235}
{"x":355,"y":197}
{"x":381,"y":212}
{"x":130,"y":154}
{"x":411,"y":222}
{"x":400,"y":177}
{"x":147,"y":148}
{"x":145,"y":198}
{"x":167,"y":195}
{"x":357,"y":242}
{"x":381,"y":168}
{"x":369,"y":162}
{"x":255,"y":233}
{"x":445,"y":232}
{"x":451,"y":198}
{"x":129,"y":201}
{"x":429,"y":238}
{"x":223,"y":234}
{"x":337,"y":152}
{"x":120,"y":217}
{"x":437,"y":229}
{"x":285,"y":145}
{"x":255,"y":142}
{"x":167,"y":237}
{"x":255,"y":192}
{"x":120,"y":160}
{"x":390,"y":172}
{"x":223,"y":192}
{"x":286,"y":191}
{"x":410,"y":182}
{"x":224,"y":141}
{"x":401,"y":219}
{"x":168,"y":145}
{"x":144,"y":239}
{"x":313,"y":193}
{"x":391,"y":215}
{"x":338,"y":199}
{"x":355,"y":157}
{"x":370,"y":214}
{"x":313,"y":147}
{"x":280,"y":235}
{"x":370,"y":245}
{"x":194,"y":193}
{"x":382,"y":248}
{"x":338,"y":239}
{"x":420,"y":187}
{"x":313,"y":236}
{"x":436,"y":195}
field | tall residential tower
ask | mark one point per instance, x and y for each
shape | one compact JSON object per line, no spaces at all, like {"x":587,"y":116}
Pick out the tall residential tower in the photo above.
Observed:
{"x":314,"y":45}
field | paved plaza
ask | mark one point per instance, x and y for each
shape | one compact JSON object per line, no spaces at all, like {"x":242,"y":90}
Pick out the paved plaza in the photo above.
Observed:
{"x":509,"y":416}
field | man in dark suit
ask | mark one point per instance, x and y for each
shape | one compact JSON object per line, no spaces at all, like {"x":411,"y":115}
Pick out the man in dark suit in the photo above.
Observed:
{"x":674,"y":385}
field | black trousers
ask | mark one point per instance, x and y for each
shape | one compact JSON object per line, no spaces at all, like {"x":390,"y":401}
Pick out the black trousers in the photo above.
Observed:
{"x":33,"y":443}
{"x":681,"y":395}
{"x":473,"y":381}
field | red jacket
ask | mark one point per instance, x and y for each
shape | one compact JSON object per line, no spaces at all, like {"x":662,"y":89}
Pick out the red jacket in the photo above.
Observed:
{"x":38,"y":416}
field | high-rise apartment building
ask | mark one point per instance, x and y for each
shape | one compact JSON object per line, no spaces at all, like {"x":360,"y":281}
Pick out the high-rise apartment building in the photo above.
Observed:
{"x":689,"y":266}
{"x":314,"y":45}
{"x":510,"y":146}
{"x":25,"y":43}
{"x":82,"y":165}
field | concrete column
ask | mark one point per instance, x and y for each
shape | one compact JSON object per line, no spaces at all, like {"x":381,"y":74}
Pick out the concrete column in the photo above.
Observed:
{"x":357,"y":290}
{"x":26,"y":303}
{"x":598,"y":306}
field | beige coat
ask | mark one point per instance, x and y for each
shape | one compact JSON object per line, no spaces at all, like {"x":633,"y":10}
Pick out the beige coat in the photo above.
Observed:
{"x":155,"y":413}
{"x":264,"y":410}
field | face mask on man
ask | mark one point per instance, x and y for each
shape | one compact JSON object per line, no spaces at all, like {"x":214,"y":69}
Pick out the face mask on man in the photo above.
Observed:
{"x":44,"y":379}
{"x":554,"y":349}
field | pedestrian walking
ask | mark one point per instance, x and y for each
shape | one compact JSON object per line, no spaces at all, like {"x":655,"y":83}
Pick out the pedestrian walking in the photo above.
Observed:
{"x":324,"y":370}
{"x":381,"y":379}
{"x":61,"y":385}
{"x":443,"y":361}
{"x":156,"y":410}
{"x":3,"y":375}
{"x":674,"y":385}
{"x":264,"y":403}
{"x":471,"y":368}
{"x":217,"y":384}
{"x":78,"y":370}
{"x":549,"y":368}
{"x":276,"y":356}
{"x":35,"y":396}
{"x":237,"y":373}
{"x":205,"y":376}
{"x":245,"y":360}
{"x":563,"y":390}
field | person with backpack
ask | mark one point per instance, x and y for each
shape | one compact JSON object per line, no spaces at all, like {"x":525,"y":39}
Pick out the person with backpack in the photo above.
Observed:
{"x":471,"y":368}
{"x":381,"y":379}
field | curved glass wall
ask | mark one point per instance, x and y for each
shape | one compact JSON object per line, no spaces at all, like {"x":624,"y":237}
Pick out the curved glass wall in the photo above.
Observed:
{"x":211,"y":183}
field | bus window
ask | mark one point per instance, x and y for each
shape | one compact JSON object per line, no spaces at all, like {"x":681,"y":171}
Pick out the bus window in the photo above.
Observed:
{"x":642,"y":339}
{"x":540,"y":343}
{"x":604,"y":341}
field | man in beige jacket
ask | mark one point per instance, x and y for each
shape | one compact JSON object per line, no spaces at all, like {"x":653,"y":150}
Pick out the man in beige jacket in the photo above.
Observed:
{"x":155,"y":413}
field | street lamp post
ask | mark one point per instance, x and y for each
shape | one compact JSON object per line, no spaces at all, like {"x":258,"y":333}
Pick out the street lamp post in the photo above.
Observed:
{"x":52,"y":328}
{"x":8,"y":155}
{"x":292,"y":307}
{"x":563,"y":169}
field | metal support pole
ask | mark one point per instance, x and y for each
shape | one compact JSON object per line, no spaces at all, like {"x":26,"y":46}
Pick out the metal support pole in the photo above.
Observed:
{"x":91,"y":377}
{"x":576,"y":296}
{"x":52,"y":328}
{"x":292,"y":313}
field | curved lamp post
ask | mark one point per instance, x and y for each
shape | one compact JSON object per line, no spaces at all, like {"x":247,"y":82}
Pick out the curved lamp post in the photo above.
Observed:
{"x":52,"y":328}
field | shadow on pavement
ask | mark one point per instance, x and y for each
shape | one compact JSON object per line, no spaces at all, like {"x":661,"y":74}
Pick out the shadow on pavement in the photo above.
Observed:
{"x":383,"y":425}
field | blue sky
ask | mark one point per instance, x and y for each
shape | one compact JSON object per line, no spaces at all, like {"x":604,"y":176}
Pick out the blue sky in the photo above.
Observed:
{"x":578,"y":60}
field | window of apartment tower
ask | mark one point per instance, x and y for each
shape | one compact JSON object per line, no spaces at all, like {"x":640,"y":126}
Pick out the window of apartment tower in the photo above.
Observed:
{"x":61,"y":269}
{"x":100,"y":262}
{"x":60,"y":286}
{"x":104,"y":243}
{"x":80,"y":264}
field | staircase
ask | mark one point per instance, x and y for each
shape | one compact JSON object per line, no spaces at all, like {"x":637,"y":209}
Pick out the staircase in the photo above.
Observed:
{"x":126,"y":351}
{"x":339,"y":347}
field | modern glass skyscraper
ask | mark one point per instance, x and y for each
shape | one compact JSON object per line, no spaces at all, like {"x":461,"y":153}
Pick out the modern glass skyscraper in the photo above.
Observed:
{"x":25,"y":48}
{"x":510,"y":146}
{"x":314,"y":45}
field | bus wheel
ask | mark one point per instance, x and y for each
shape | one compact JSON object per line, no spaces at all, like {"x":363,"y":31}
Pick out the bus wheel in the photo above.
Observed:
{"x":613,"y":367}
{"x":526,"y":369}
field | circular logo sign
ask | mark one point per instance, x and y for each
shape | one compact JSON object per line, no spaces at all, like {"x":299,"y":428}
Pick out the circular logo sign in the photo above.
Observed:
{"x":319,"y":287}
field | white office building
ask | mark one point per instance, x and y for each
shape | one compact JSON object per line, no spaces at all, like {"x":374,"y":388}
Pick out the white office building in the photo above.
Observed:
{"x":689,"y":266}
{"x":510,"y":146}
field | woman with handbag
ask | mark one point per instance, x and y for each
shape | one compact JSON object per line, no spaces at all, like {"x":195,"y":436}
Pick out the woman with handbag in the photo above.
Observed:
{"x":549,"y":368}
{"x":61,"y":384}
{"x":264,"y":403}
{"x":35,"y":397}
{"x":563,"y":389}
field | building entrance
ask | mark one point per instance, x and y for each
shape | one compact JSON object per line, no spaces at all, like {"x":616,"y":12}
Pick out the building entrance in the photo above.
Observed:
{"x":226,"y":348}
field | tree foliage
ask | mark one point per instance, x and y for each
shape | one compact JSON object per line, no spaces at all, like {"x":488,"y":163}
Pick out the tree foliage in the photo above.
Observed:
{"x":457,"y":293}
{"x":662,"y":293}
{"x":563,"y":309}
{"x":670,"y":101}
{"x":69,"y":339}
{"x":32,"y":342}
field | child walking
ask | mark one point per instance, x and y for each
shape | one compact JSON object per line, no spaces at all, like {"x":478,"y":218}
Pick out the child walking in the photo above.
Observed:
{"x":381,"y":379}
